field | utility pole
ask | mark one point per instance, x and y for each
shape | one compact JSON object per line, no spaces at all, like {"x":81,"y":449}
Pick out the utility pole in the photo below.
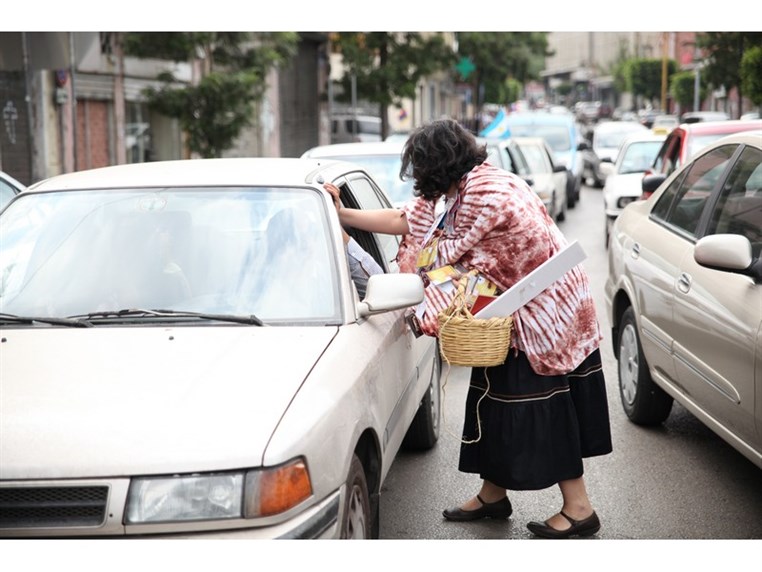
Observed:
{"x":664,"y":72}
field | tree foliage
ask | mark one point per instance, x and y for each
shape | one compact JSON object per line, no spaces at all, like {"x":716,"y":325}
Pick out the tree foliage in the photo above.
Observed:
{"x":387,"y":66}
{"x":724,"y":54}
{"x":682,"y":87}
{"x":644,"y":76}
{"x":751,"y":74}
{"x":499,"y":56}
{"x":215,"y":110}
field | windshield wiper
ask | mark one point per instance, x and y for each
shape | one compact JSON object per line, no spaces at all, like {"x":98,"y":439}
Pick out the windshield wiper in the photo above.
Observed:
{"x":72,"y":322}
{"x":251,"y":319}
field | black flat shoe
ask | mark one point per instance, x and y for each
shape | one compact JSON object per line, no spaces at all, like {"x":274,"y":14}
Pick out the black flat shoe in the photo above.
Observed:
{"x":499,"y":509}
{"x":584,"y":527}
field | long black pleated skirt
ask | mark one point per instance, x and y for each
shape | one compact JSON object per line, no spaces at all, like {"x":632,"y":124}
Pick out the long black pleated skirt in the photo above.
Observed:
{"x":531,"y":431}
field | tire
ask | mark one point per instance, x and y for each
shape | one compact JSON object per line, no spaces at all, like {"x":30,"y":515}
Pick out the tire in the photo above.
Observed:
{"x":356,"y":520}
{"x":572,"y":192}
{"x":560,"y":217}
{"x":423,"y":432}
{"x":644,"y":402}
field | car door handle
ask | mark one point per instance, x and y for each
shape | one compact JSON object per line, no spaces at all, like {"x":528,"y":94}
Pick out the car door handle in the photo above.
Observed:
{"x":684,"y":283}
{"x":635,"y":252}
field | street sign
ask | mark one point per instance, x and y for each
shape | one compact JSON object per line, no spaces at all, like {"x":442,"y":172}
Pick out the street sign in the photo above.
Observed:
{"x":465,"y":67}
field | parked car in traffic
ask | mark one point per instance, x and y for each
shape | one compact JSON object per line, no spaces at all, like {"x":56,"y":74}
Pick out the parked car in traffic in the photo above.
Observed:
{"x":548,"y":176}
{"x":684,"y":295}
{"x":382,"y":160}
{"x":506,"y":154}
{"x":185,"y":353}
{"x":563,"y":136}
{"x":699,"y":116}
{"x":605,"y":139}
{"x":624,"y":178}
{"x":663,"y":124}
{"x":685,"y":140}
{"x":351,"y":128}
{"x":9,"y":188}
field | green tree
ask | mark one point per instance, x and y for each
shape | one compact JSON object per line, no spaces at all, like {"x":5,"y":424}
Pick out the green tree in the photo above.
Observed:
{"x":215,"y":110}
{"x":724,"y":53}
{"x":387,"y":66}
{"x":498,"y":56}
{"x":682,"y":87}
{"x":751,"y":74}
{"x":644,"y":76}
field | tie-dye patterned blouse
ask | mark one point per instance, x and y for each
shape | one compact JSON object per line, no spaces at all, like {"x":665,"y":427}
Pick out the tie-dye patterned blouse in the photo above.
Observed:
{"x":501,"y":228}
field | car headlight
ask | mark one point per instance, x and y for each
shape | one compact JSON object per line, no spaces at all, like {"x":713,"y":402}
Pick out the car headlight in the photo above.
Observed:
{"x":240,"y":494}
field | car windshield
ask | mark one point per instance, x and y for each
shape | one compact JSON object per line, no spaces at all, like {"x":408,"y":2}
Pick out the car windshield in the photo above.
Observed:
{"x":638,"y":157}
{"x":385,"y":170}
{"x":224,"y":251}
{"x":557,"y":136}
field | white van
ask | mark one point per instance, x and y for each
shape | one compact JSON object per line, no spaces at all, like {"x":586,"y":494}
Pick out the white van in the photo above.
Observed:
{"x":355,"y":128}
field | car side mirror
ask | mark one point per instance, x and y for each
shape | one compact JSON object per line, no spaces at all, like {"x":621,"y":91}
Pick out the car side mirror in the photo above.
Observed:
{"x":559,"y":168}
{"x":583,"y":146}
{"x":728,"y":253}
{"x":386,"y":292}
{"x":651,"y":183}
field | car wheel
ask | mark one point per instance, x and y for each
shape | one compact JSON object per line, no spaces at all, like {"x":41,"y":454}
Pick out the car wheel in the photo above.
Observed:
{"x":356,"y":522}
{"x":562,"y":215}
{"x":644,"y":402}
{"x":423,"y":432}
{"x":571,"y":193}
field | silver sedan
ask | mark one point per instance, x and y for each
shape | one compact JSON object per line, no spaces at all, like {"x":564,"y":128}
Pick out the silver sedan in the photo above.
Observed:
{"x":684,"y":294}
{"x":184,"y":352}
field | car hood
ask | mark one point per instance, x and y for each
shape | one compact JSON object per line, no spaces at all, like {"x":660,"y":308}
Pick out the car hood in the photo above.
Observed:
{"x":115,"y":401}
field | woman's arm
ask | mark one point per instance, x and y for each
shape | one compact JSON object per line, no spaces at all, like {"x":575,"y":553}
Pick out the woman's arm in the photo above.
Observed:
{"x":385,"y":221}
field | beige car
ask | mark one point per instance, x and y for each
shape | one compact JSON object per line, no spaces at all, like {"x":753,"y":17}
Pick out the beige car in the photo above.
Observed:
{"x":184,"y":352}
{"x":684,"y":294}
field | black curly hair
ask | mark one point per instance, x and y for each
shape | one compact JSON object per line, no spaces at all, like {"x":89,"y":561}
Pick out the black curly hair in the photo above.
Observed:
{"x":438,"y":154}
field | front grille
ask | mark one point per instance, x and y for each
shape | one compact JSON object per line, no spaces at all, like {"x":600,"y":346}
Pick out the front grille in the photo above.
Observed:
{"x":42,"y":507}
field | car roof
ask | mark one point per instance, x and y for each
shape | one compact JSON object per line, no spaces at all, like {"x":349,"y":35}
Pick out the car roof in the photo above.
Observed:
{"x":531,"y":141}
{"x":709,"y":127}
{"x":647,"y":135}
{"x":200,"y":172}
{"x":354,"y":149}
{"x":619,"y":126}
{"x":530,"y":117}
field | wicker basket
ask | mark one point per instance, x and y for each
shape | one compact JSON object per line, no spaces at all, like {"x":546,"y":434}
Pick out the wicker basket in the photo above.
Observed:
{"x":468,"y":341}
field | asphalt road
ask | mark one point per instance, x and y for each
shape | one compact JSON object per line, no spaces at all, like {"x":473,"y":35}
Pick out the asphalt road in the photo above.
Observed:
{"x":676,"y":481}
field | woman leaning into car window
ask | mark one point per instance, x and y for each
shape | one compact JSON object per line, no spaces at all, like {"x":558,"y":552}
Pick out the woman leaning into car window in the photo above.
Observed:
{"x":531,"y":421}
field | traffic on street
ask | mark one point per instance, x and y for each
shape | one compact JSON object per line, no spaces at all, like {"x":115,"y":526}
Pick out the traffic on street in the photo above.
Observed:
{"x":240,"y":271}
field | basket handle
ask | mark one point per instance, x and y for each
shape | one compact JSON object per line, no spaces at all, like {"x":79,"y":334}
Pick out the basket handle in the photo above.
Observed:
{"x":459,"y":304}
